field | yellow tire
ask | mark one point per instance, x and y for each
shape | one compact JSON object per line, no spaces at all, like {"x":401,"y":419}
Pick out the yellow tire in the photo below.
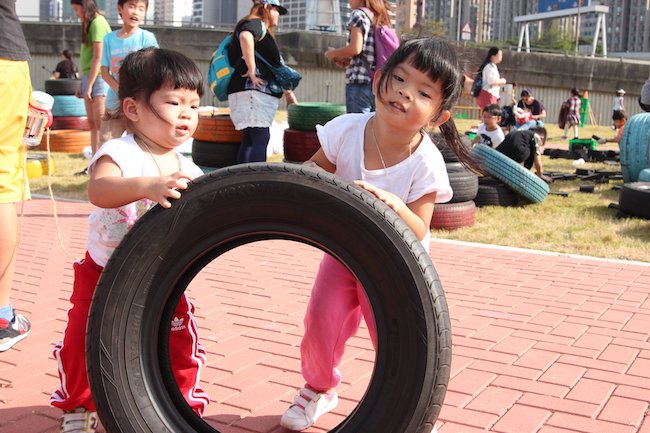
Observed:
{"x":38,"y":165}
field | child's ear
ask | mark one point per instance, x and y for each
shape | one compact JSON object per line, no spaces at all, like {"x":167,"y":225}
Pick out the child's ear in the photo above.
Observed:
{"x":375,"y":83}
{"x":441,"y":118}
{"x":130,"y":109}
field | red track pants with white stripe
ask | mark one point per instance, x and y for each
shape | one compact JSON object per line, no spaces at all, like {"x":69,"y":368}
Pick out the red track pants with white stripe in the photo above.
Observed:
{"x":187,"y":355}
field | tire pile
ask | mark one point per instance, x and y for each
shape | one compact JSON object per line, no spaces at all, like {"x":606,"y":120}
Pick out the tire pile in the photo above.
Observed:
{"x":69,"y":130}
{"x":38,"y":165}
{"x":300,"y":138}
{"x":634,"y":196}
{"x":216,"y":141}
{"x":460,"y":211}
{"x":517,"y":178}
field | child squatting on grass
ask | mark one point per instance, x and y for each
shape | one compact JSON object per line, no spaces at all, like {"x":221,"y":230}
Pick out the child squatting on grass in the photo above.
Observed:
{"x":388,"y":154}
{"x":160,"y":92}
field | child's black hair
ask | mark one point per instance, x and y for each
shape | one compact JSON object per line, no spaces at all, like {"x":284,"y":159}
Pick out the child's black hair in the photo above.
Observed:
{"x":619,"y":115}
{"x":145,"y":71}
{"x":540,"y":130}
{"x":123,"y":2}
{"x":435,"y":57}
{"x":493,"y":109}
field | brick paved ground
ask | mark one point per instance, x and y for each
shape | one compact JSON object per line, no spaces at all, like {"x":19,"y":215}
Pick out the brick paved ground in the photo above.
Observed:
{"x":542,"y":342}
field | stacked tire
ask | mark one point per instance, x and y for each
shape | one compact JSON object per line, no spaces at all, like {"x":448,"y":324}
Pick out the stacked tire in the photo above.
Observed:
{"x":634,"y":199}
{"x":300,"y":139}
{"x":65,"y":140}
{"x":68,"y":112}
{"x":38,"y":165}
{"x":460,"y":211}
{"x":517,"y":178}
{"x":635,"y":147}
{"x":216,"y":141}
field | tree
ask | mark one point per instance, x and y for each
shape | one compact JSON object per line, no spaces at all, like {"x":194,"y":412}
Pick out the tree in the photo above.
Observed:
{"x":427,"y":27}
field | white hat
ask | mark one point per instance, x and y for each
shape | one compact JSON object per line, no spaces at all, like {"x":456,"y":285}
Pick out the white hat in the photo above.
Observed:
{"x":621,"y":91}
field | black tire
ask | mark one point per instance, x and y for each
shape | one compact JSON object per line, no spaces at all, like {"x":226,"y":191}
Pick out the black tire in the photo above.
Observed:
{"x":305,"y":116}
{"x":209,"y":154}
{"x":451,"y":216}
{"x":634,"y":199}
{"x":448,"y":154}
{"x":463,"y":182}
{"x":492,"y":192}
{"x":62,"y":86}
{"x":128,"y":373}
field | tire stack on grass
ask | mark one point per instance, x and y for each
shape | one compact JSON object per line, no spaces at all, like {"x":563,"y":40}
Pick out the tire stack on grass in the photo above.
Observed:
{"x":634,"y":200}
{"x":68,"y":112}
{"x":38,"y":165}
{"x":634,"y":196}
{"x":216,"y":141}
{"x":517,"y":178}
{"x":300,"y":139}
{"x":460,"y":211}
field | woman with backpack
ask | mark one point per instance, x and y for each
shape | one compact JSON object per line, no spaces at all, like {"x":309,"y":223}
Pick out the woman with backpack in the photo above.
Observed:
{"x":358,"y":56}
{"x":491,"y":80}
{"x":252,"y":98}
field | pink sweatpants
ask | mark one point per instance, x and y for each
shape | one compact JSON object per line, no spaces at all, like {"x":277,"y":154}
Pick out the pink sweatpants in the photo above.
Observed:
{"x":337,"y":304}
{"x":187,"y":355}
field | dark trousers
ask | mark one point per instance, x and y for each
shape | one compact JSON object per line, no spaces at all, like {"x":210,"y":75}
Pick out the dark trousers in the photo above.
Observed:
{"x":253,"y":145}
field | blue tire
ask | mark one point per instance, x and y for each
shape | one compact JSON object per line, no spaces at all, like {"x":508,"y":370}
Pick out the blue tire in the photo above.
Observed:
{"x":68,"y":106}
{"x":635,"y":146}
{"x":516,"y":177}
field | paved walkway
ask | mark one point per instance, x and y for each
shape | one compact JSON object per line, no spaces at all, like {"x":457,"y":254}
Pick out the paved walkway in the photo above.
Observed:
{"x":542,"y":342}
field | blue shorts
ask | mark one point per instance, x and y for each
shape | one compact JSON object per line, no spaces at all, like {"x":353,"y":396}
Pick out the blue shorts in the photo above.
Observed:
{"x":100,"y":88}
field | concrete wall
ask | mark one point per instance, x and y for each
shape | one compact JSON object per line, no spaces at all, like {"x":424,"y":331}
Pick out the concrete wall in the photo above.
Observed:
{"x":549,"y":76}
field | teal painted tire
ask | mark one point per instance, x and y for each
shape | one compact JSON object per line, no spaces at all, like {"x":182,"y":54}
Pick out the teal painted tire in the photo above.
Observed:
{"x":644,"y":175}
{"x":516,"y":177}
{"x":68,"y":106}
{"x":635,"y":146}
{"x":305,"y":116}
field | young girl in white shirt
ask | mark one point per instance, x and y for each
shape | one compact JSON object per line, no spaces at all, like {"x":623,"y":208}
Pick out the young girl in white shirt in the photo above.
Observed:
{"x":389,"y":154}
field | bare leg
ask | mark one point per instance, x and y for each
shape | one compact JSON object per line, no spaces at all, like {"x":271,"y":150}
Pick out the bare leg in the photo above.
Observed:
{"x":8,"y":249}
{"x":95,"y":111}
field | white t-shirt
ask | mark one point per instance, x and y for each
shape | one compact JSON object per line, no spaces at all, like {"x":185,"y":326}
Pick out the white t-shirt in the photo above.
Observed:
{"x":422,"y":173}
{"x":490,"y":138}
{"x":491,"y":75}
{"x":107,"y":227}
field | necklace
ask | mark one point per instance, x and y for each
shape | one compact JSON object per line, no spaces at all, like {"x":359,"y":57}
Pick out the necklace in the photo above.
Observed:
{"x":150,"y":153}
{"x":374,"y":138}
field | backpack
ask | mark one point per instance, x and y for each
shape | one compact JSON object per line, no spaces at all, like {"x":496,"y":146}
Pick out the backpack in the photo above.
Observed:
{"x":386,"y":42}
{"x":478,"y":84}
{"x":221,"y":71}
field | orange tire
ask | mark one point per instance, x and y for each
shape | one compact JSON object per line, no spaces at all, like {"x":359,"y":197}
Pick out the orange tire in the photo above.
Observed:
{"x":216,"y":129}
{"x":66,"y":140}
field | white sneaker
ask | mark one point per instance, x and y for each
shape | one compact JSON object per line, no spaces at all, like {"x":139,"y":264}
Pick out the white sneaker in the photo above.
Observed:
{"x":80,"y":420}
{"x":307,"y":407}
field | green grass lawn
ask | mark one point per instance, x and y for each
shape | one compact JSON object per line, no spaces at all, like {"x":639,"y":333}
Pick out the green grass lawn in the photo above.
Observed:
{"x":581,"y":223}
